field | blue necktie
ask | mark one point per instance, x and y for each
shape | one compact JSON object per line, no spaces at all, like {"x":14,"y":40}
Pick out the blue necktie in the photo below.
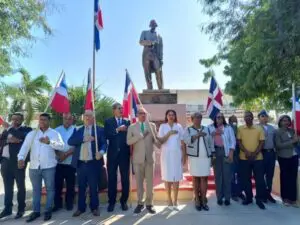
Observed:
{"x":119,"y":122}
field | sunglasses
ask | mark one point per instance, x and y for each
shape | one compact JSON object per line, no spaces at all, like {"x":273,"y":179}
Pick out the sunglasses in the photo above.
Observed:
{"x":219,"y":117}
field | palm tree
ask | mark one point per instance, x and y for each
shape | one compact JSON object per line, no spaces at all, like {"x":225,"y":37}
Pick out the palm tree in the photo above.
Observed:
{"x":25,"y":94}
{"x":77,"y":98}
{"x":3,"y":100}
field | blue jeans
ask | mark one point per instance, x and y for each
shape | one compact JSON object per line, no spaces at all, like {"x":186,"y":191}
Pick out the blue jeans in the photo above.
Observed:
{"x":36,"y":177}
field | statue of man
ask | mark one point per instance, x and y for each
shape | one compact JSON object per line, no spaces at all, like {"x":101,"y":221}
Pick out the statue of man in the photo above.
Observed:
{"x":152,"y":55}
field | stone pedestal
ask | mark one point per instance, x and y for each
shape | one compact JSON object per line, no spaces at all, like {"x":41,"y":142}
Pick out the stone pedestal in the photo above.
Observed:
{"x":156,"y":103}
{"x":158,"y":97}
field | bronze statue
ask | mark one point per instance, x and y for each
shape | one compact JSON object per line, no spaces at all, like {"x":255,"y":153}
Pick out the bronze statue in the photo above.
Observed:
{"x":152,"y":55}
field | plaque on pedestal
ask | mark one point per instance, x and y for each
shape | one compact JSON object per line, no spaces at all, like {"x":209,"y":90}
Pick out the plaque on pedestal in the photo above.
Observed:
{"x":158,"y":97}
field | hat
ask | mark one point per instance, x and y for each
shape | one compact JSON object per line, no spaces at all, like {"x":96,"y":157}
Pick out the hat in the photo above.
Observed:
{"x":263,"y":113}
{"x":153,"y":23}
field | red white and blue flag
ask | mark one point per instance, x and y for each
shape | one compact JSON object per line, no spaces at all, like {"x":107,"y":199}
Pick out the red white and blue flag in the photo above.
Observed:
{"x":130,"y":100}
{"x":98,"y":24}
{"x":59,"y":100}
{"x":89,"y":98}
{"x":214,"y":101}
{"x":1,"y":120}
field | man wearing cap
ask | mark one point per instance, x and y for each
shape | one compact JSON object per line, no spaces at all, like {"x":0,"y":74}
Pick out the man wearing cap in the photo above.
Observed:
{"x":86,"y":158}
{"x":269,"y":155}
{"x":152,"y":55}
{"x":142,"y":136}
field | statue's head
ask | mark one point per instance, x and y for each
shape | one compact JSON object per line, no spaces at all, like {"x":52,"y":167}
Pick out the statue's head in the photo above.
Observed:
{"x":153,"y":24}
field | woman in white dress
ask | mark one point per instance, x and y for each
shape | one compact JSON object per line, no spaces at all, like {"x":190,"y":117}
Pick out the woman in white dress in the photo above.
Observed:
{"x":199,"y":148}
{"x":171,"y":137}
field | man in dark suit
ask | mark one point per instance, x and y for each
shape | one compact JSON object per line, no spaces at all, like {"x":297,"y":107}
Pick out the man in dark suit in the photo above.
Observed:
{"x":86,"y":159}
{"x":10,"y":144}
{"x":118,"y":156}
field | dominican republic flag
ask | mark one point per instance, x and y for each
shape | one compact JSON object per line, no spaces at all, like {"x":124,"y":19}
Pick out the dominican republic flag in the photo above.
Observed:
{"x":214,"y":101}
{"x":98,"y":24}
{"x":89,"y":93}
{"x":130,"y":100}
{"x":1,"y":120}
{"x":59,"y":101}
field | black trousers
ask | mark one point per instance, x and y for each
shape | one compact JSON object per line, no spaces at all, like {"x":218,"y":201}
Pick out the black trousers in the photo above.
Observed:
{"x":247,"y":167}
{"x":269,"y":166}
{"x":288,"y":177}
{"x":10,"y":173}
{"x":64,"y":174}
{"x":112,"y":168}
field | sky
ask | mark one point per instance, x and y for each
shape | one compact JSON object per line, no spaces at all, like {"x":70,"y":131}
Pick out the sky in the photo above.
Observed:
{"x":71,"y":47}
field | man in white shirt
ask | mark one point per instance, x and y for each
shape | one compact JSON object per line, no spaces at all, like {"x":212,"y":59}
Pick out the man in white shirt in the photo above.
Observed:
{"x":65,"y":172}
{"x":42,"y":142}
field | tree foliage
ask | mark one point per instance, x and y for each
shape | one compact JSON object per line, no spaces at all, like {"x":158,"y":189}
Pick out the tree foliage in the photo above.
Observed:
{"x":260,"y":41}
{"x":25,"y":94}
{"x":18,"y":19}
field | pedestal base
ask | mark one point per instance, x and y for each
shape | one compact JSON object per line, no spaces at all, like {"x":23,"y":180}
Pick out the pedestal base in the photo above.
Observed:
{"x":158,"y":97}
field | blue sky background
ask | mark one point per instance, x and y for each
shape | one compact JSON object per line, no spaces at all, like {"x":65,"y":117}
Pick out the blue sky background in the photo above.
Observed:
{"x":71,"y":46}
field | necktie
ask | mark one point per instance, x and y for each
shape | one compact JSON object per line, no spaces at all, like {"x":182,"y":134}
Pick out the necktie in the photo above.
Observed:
{"x":119,"y":122}
{"x":85,"y":145}
{"x":142,"y":127}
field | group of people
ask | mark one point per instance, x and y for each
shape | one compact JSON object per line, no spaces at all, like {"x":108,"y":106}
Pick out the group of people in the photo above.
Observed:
{"x":58,"y":155}
{"x":239,"y":153}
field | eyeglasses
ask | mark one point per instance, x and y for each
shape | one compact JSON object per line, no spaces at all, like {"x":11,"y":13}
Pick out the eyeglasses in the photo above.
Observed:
{"x":219,"y":117}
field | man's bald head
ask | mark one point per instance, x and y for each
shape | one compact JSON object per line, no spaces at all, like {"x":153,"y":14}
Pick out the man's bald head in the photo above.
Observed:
{"x":142,"y":114}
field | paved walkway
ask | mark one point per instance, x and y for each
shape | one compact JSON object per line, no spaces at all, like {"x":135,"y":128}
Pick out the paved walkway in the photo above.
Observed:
{"x":235,"y":214}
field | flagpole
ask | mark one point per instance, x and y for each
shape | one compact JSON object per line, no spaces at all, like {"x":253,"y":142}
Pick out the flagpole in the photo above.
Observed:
{"x":141,"y":104}
{"x":294,"y":107}
{"x":59,"y":79}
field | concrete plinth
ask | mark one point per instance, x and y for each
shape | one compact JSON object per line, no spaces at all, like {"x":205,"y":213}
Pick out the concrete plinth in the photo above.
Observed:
{"x":158,"y":97}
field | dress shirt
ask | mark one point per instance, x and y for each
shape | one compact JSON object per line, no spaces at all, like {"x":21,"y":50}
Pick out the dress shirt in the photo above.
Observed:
{"x":42,"y":155}
{"x":66,"y":133}
{"x":88,"y":129}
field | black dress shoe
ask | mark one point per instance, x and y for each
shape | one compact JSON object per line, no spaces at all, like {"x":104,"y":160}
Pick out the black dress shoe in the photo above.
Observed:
{"x":205,"y":207}
{"x":271,"y":199}
{"x":33,"y":216}
{"x":220,"y":202}
{"x":56,"y":208}
{"x":151,"y":209}
{"x":227,"y":202}
{"x":47,"y":216}
{"x":242,"y":196}
{"x":124,"y":206}
{"x":19,"y":215}
{"x":5,"y":213}
{"x":77,"y":213}
{"x":138,"y":209}
{"x":198,"y":207}
{"x":111,"y":208}
{"x":260,"y":204}
{"x":247,"y":202}
{"x":69,"y":208}
{"x":95,"y":212}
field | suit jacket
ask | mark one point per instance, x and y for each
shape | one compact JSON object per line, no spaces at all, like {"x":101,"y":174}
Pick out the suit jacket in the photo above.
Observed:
{"x":76,"y":140}
{"x":117,"y":143}
{"x":142,"y":146}
{"x":14,"y":148}
{"x":284,"y":142}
